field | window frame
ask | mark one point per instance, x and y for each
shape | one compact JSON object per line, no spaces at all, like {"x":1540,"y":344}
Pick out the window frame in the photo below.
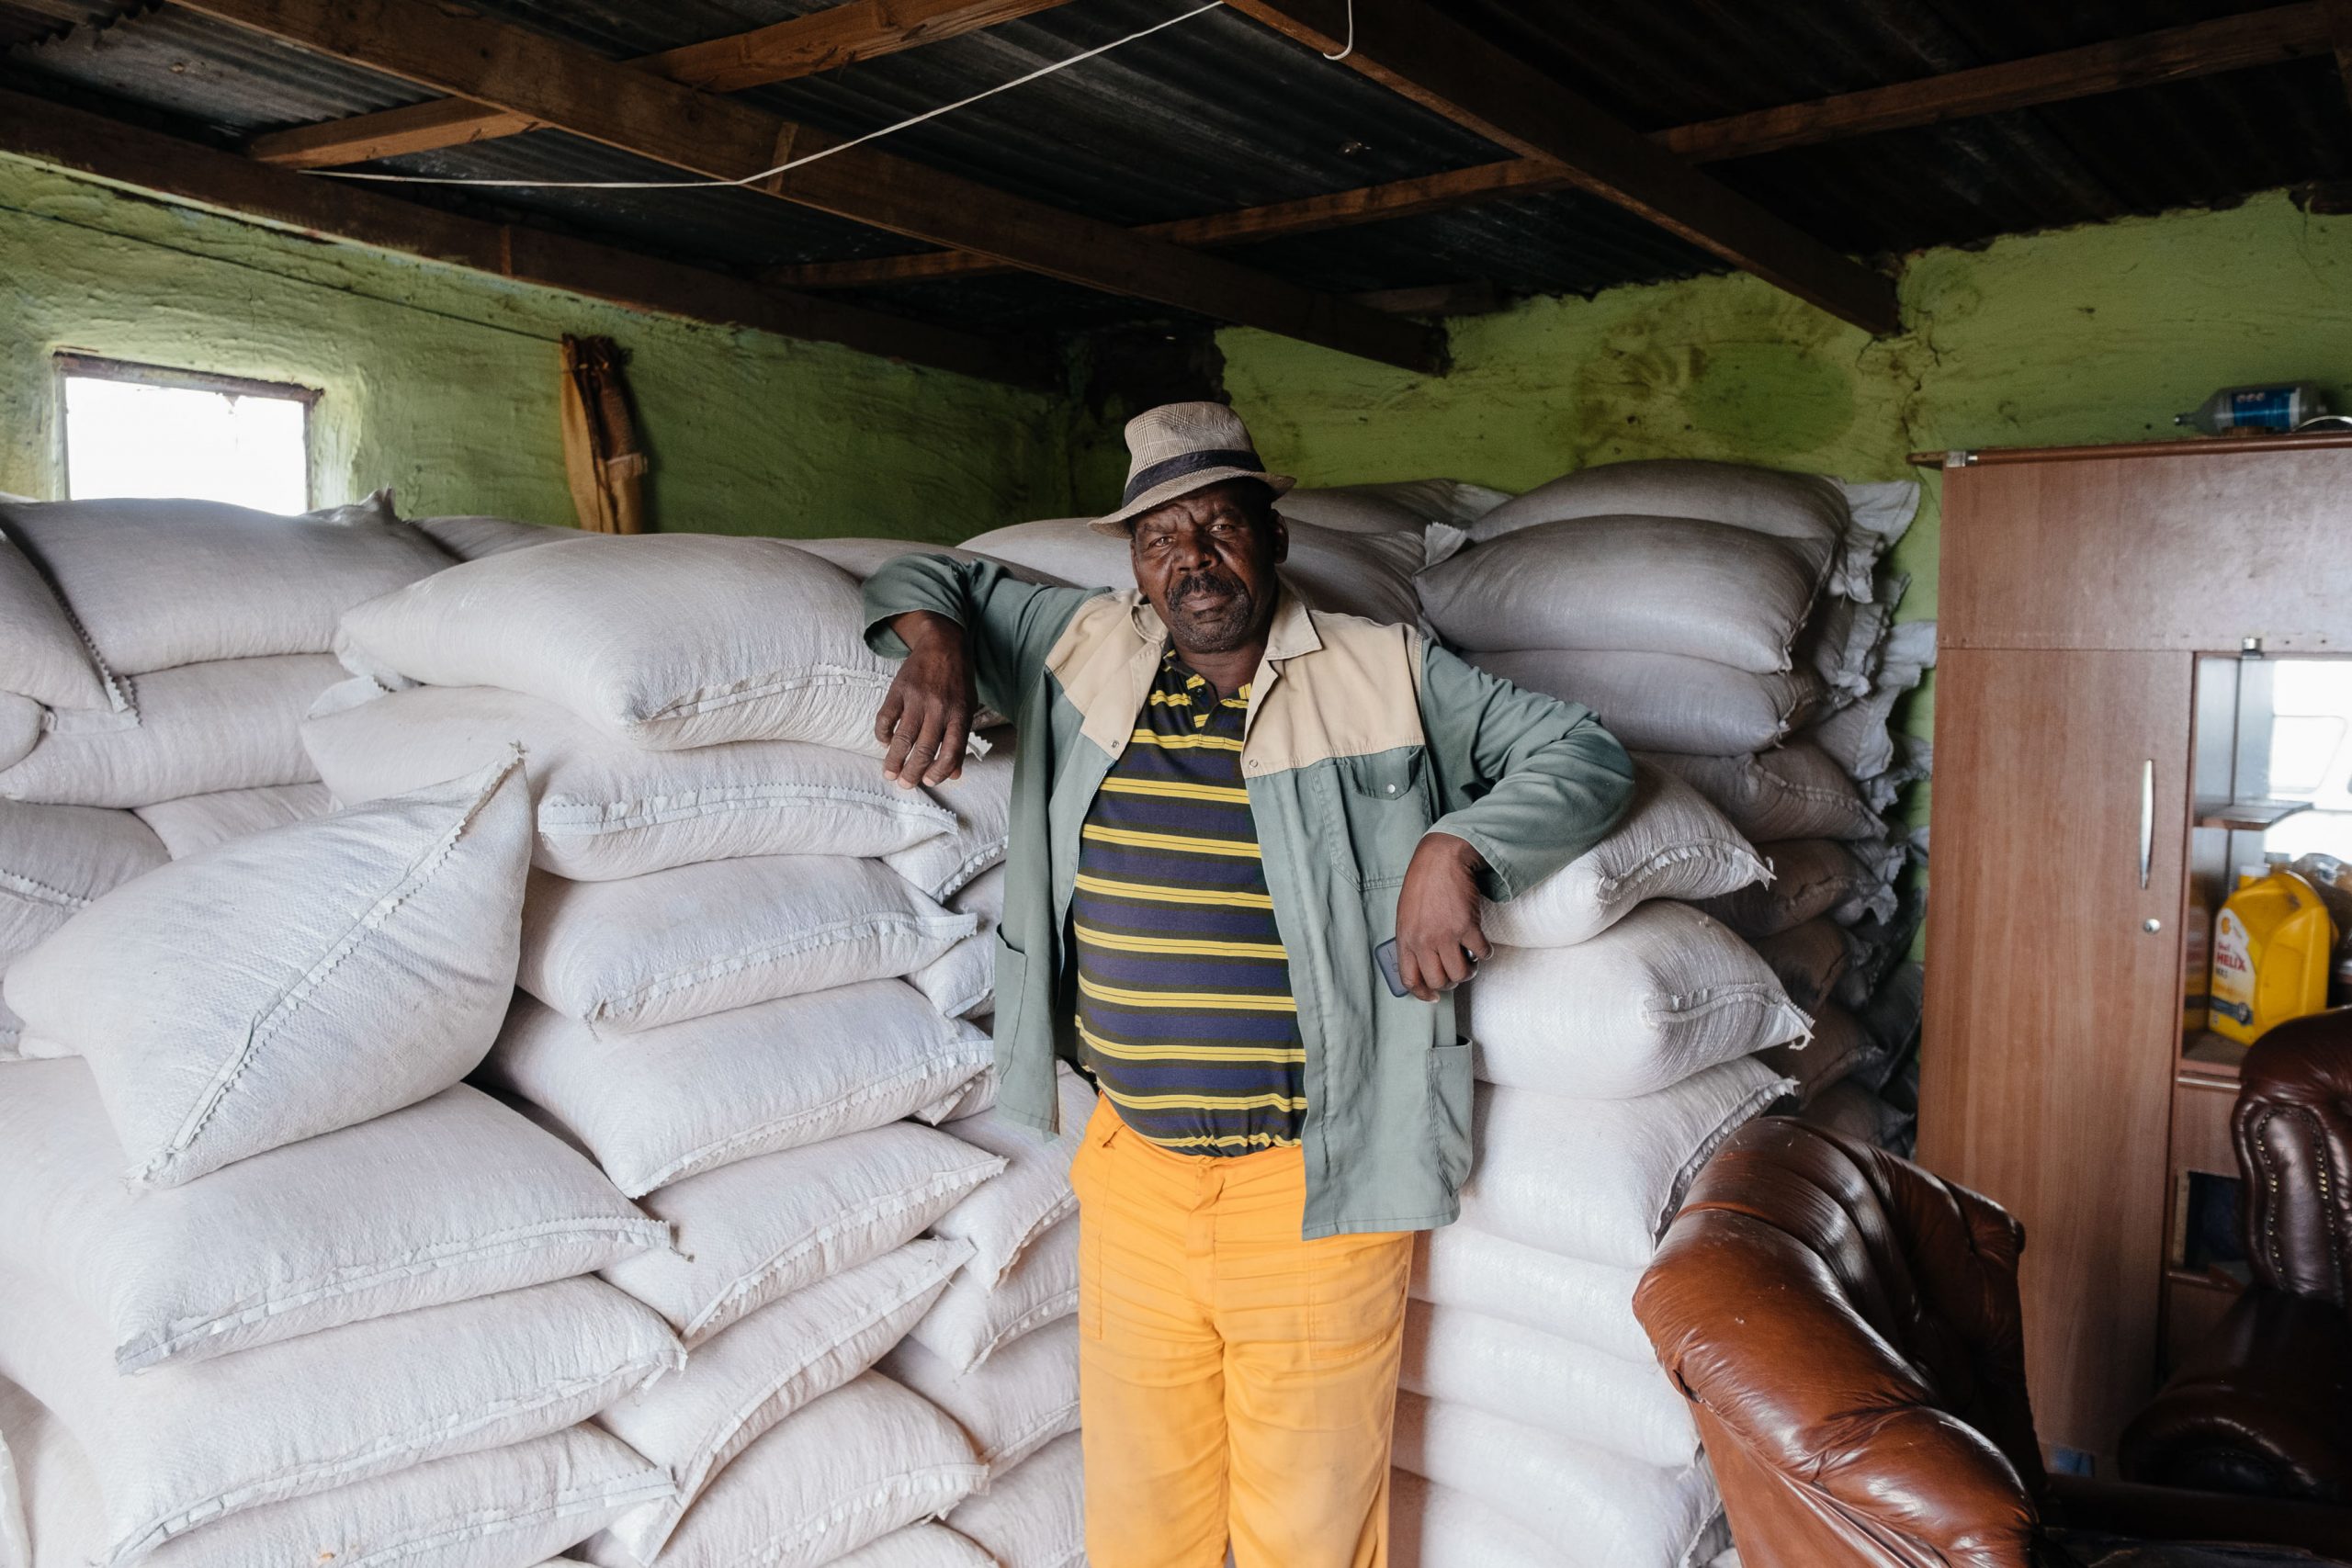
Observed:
{"x":67,"y":364}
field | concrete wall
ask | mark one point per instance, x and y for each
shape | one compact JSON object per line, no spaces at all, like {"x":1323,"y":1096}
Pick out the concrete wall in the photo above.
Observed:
{"x":442,"y":383}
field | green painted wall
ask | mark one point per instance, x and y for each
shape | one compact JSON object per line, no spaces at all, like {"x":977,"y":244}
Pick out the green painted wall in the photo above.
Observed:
{"x":442,"y":383}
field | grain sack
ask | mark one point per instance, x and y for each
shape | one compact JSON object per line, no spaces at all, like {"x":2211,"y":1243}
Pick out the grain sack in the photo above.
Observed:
{"x":1591,"y":1304}
{"x":863,"y":557}
{"x":982,"y":802}
{"x":1881,"y":513}
{"x":182,"y":1446}
{"x":293,"y":982}
{"x":1394,"y":507}
{"x":961,"y":982}
{"x":664,"y":1104}
{"x":1596,"y":1509}
{"x":452,"y":1198}
{"x":522,"y":1503}
{"x":1367,"y":574}
{"x":1004,"y":1216}
{"x":1809,"y":960}
{"x":665,"y":640}
{"x":607,"y":809}
{"x":1810,"y":877}
{"x":1660,"y":702}
{"x":972,"y":1321}
{"x":1860,"y":736}
{"x":1435,"y":1527}
{"x":53,"y":860}
{"x":1627,"y":584}
{"x":983,"y":896}
{"x":1840,"y":1049}
{"x":918,"y":1546}
{"x":196,"y":822}
{"x":1627,"y":1408}
{"x":1805,"y":508}
{"x":201,"y":728}
{"x":1024,"y":1397}
{"x":694,"y":939}
{"x":787,"y":1355}
{"x":157,"y":584}
{"x":1632,"y":1160}
{"x":20,"y":722}
{"x":1795,"y":791}
{"x":1663,"y":994}
{"x":471,"y":538}
{"x":43,"y":653}
{"x":764,"y":1227}
{"x":1035,"y":1516}
{"x":847,"y":1469}
{"x":1847,"y":640}
{"x":1670,"y":845}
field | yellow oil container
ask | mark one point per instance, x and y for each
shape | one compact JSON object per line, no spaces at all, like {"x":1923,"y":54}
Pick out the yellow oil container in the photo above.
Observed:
{"x":2273,"y":947}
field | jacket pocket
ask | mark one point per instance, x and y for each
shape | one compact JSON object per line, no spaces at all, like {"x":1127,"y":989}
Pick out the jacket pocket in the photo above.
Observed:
{"x":1451,"y":1093}
{"x":1383,"y":810}
{"x":1011,"y":988}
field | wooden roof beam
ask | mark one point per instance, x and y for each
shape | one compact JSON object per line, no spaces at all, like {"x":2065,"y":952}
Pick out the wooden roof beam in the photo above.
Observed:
{"x":560,"y":85}
{"x":151,"y":164}
{"x":826,"y":41}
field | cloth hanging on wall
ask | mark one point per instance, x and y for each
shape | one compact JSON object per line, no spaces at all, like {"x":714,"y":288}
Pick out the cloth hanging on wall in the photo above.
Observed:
{"x":601,"y":457}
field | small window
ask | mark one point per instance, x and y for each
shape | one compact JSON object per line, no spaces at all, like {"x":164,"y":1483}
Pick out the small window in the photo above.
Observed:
{"x":144,"y":429}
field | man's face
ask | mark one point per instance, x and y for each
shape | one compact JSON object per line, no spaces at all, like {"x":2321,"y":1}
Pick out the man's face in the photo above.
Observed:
{"x":1206,"y":562}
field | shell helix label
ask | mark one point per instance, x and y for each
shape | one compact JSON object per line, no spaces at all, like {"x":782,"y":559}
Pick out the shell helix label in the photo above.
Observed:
{"x":2232,"y":992}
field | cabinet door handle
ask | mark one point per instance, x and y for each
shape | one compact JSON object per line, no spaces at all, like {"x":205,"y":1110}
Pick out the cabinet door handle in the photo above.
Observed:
{"x":2147,"y":819}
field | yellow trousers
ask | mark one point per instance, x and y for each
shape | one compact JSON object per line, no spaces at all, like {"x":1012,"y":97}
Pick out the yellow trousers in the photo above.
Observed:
{"x":1236,"y":1384}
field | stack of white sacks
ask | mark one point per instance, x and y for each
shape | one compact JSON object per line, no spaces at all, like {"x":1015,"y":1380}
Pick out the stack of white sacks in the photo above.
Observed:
{"x":1733,"y":626}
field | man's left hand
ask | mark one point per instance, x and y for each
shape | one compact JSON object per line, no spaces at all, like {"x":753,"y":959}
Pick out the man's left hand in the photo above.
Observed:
{"x":1439,"y":944}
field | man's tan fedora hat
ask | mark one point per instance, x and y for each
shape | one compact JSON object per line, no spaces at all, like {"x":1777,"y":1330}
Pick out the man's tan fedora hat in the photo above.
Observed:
{"x":1178,"y":448}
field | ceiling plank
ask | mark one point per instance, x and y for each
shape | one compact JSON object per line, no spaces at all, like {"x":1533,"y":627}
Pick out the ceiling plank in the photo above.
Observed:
{"x":837,"y":36}
{"x":147,"y":161}
{"x":2272,"y":37}
{"x":557,"y":83}
{"x":1417,"y":51}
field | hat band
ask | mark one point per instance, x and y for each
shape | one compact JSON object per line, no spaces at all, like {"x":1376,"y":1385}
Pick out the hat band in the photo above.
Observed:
{"x":1178,"y":466}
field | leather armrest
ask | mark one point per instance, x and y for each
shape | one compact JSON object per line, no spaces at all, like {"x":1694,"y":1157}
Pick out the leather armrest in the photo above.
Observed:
{"x":2169,"y":1513}
{"x":2262,"y":1406}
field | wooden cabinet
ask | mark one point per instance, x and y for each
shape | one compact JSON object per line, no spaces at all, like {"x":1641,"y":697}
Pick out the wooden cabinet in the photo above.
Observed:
{"x":2079,"y":591}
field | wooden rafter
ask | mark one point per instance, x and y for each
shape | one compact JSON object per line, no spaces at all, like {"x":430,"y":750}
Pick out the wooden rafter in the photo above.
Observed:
{"x":145,"y":161}
{"x":557,"y":83}
{"x":2173,"y":54}
{"x":837,"y":36}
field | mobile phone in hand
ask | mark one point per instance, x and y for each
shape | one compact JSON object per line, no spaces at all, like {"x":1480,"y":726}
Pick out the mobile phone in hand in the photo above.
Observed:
{"x":1385,"y":956}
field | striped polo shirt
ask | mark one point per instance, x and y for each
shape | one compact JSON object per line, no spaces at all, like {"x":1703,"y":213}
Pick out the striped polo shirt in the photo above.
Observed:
{"x":1184,"y":1008}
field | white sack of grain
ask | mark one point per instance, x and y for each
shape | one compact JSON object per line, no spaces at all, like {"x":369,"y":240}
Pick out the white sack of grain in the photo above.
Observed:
{"x":290,"y":983}
{"x":179,"y":1447}
{"x":664,"y":1104}
{"x":1881,"y":513}
{"x":1540,"y":1380}
{"x":1393,"y":507}
{"x":1034,"y":1515}
{"x":981,"y":800}
{"x":1802,"y":507}
{"x":161,"y":583}
{"x":862,"y":558}
{"x":609,"y":810}
{"x":1810,"y":877}
{"x":54,"y":859}
{"x":497,"y":1508}
{"x":665,"y":640}
{"x":43,"y":653}
{"x":919,"y":1546}
{"x":1632,"y":1160}
{"x":1859,"y":735}
{"x":233,"y":724}
{"x":961,"y":982}
{"x":1661,"y":701}
{"x":1847,"y":640}
{"x":1841,"y":1047}
{"x":1020,"y":1399}
{"x":1596,"y":1509}
{"x":1591,"y":1304}
{"x":196,"y":822}
{"x":1004,"y":1216}
{"x":741,"y":1382}
{"x":21,"y":729}
{"x":845,"y":1470}
{"x":1809,"y":959}
{"x":972,"y":1321}
{"x":1661,"y":995}
{"x":1435,"y":1527}
{"x":1796,"y":791}
{"x":749,"y":1233}
{"x":1670,"y":845}
{"x":694,"y":939}
{"x":451,"y":1197}
{"x":1627,"y":584}
{"x":471,"y":538}
{"x":1368,"y":574}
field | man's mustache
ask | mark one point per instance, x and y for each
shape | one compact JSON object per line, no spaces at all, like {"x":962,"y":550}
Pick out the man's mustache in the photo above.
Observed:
{"x":1206,"y":581}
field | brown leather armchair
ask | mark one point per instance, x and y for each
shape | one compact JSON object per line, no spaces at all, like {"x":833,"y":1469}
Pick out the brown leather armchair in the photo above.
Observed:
{"x":2263,"y":1405}
{"x":1847,"y":1328}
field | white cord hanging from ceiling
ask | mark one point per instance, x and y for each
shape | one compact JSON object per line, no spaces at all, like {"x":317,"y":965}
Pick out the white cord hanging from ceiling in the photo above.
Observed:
{"x":1350,"y":46}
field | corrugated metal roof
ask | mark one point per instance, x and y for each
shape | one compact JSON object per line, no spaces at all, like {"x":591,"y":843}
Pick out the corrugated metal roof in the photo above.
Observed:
{"x":1219,"y":114}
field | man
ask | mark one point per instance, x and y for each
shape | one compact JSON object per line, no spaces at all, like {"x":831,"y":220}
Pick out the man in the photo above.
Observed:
{"x":1222,"y":804}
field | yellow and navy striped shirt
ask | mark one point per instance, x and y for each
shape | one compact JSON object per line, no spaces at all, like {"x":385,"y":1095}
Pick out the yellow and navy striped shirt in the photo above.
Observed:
{"x":1184,"y":1007}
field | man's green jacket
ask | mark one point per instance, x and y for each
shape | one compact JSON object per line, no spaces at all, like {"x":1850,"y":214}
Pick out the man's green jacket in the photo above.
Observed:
{"x":1360,"y":738}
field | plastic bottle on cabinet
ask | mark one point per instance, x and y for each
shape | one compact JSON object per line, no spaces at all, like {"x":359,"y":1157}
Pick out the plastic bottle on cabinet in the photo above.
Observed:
{"x":2272,"y":409}
{"x":2274,"y":948}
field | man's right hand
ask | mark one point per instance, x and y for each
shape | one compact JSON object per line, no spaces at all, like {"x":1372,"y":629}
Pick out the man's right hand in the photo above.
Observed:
{"x":927,"y":714}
